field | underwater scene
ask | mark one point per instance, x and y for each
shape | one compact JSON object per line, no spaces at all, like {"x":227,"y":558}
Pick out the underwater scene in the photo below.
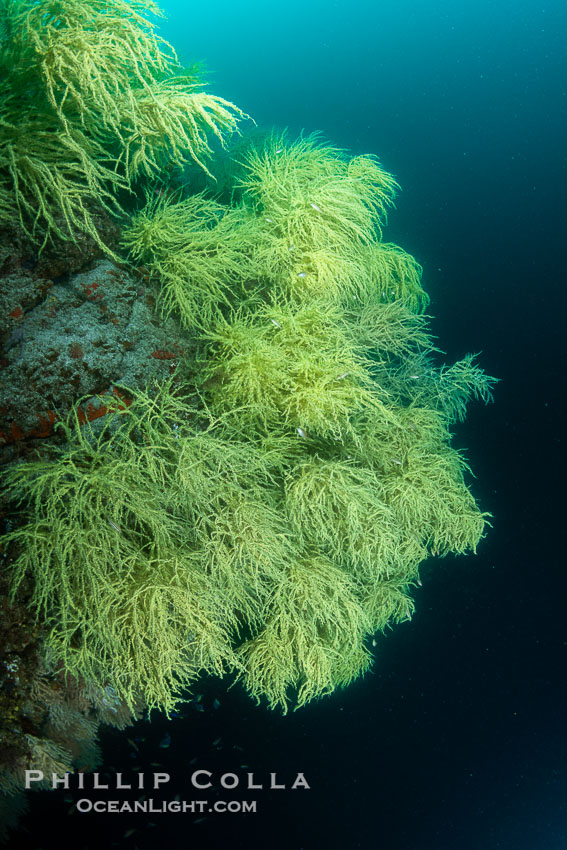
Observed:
{"x":280,"y":394}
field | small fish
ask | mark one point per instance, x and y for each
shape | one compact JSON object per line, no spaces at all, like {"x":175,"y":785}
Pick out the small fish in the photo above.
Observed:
{"x":216,"y":704}
{"x":340,"y":377}
{"x":302,"y":274}
{"x":395,"y":460}
{"x":244,"y":766}
{"x":301,"y":433}
{"x":133,"y":744}
{"x":129,"y":832}
{"x":414,"y":377}
{"x":374,"y":642}
{"x":269,"y":219}
{"x":279,"y":150}
{"x":199,"y":706}
{"x":165,"y":741}
{"x":114,"y":526}
{"x":277,"y":324}
{"x":315,"y":207}
{"x":216,"y":741}
{"x":199,"y":820}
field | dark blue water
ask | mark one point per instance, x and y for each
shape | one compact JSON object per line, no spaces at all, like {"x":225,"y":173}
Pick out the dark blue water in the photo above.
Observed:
{"x":457,"y":739}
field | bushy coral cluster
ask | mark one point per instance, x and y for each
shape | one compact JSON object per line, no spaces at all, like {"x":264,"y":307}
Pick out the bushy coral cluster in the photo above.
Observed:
{"x":49,"y":720}
{"x":266,"y":511}
{"x":91,"y":100}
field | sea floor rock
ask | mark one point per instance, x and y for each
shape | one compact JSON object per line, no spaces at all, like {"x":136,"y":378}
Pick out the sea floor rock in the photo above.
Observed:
{"x":77,"y":336}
